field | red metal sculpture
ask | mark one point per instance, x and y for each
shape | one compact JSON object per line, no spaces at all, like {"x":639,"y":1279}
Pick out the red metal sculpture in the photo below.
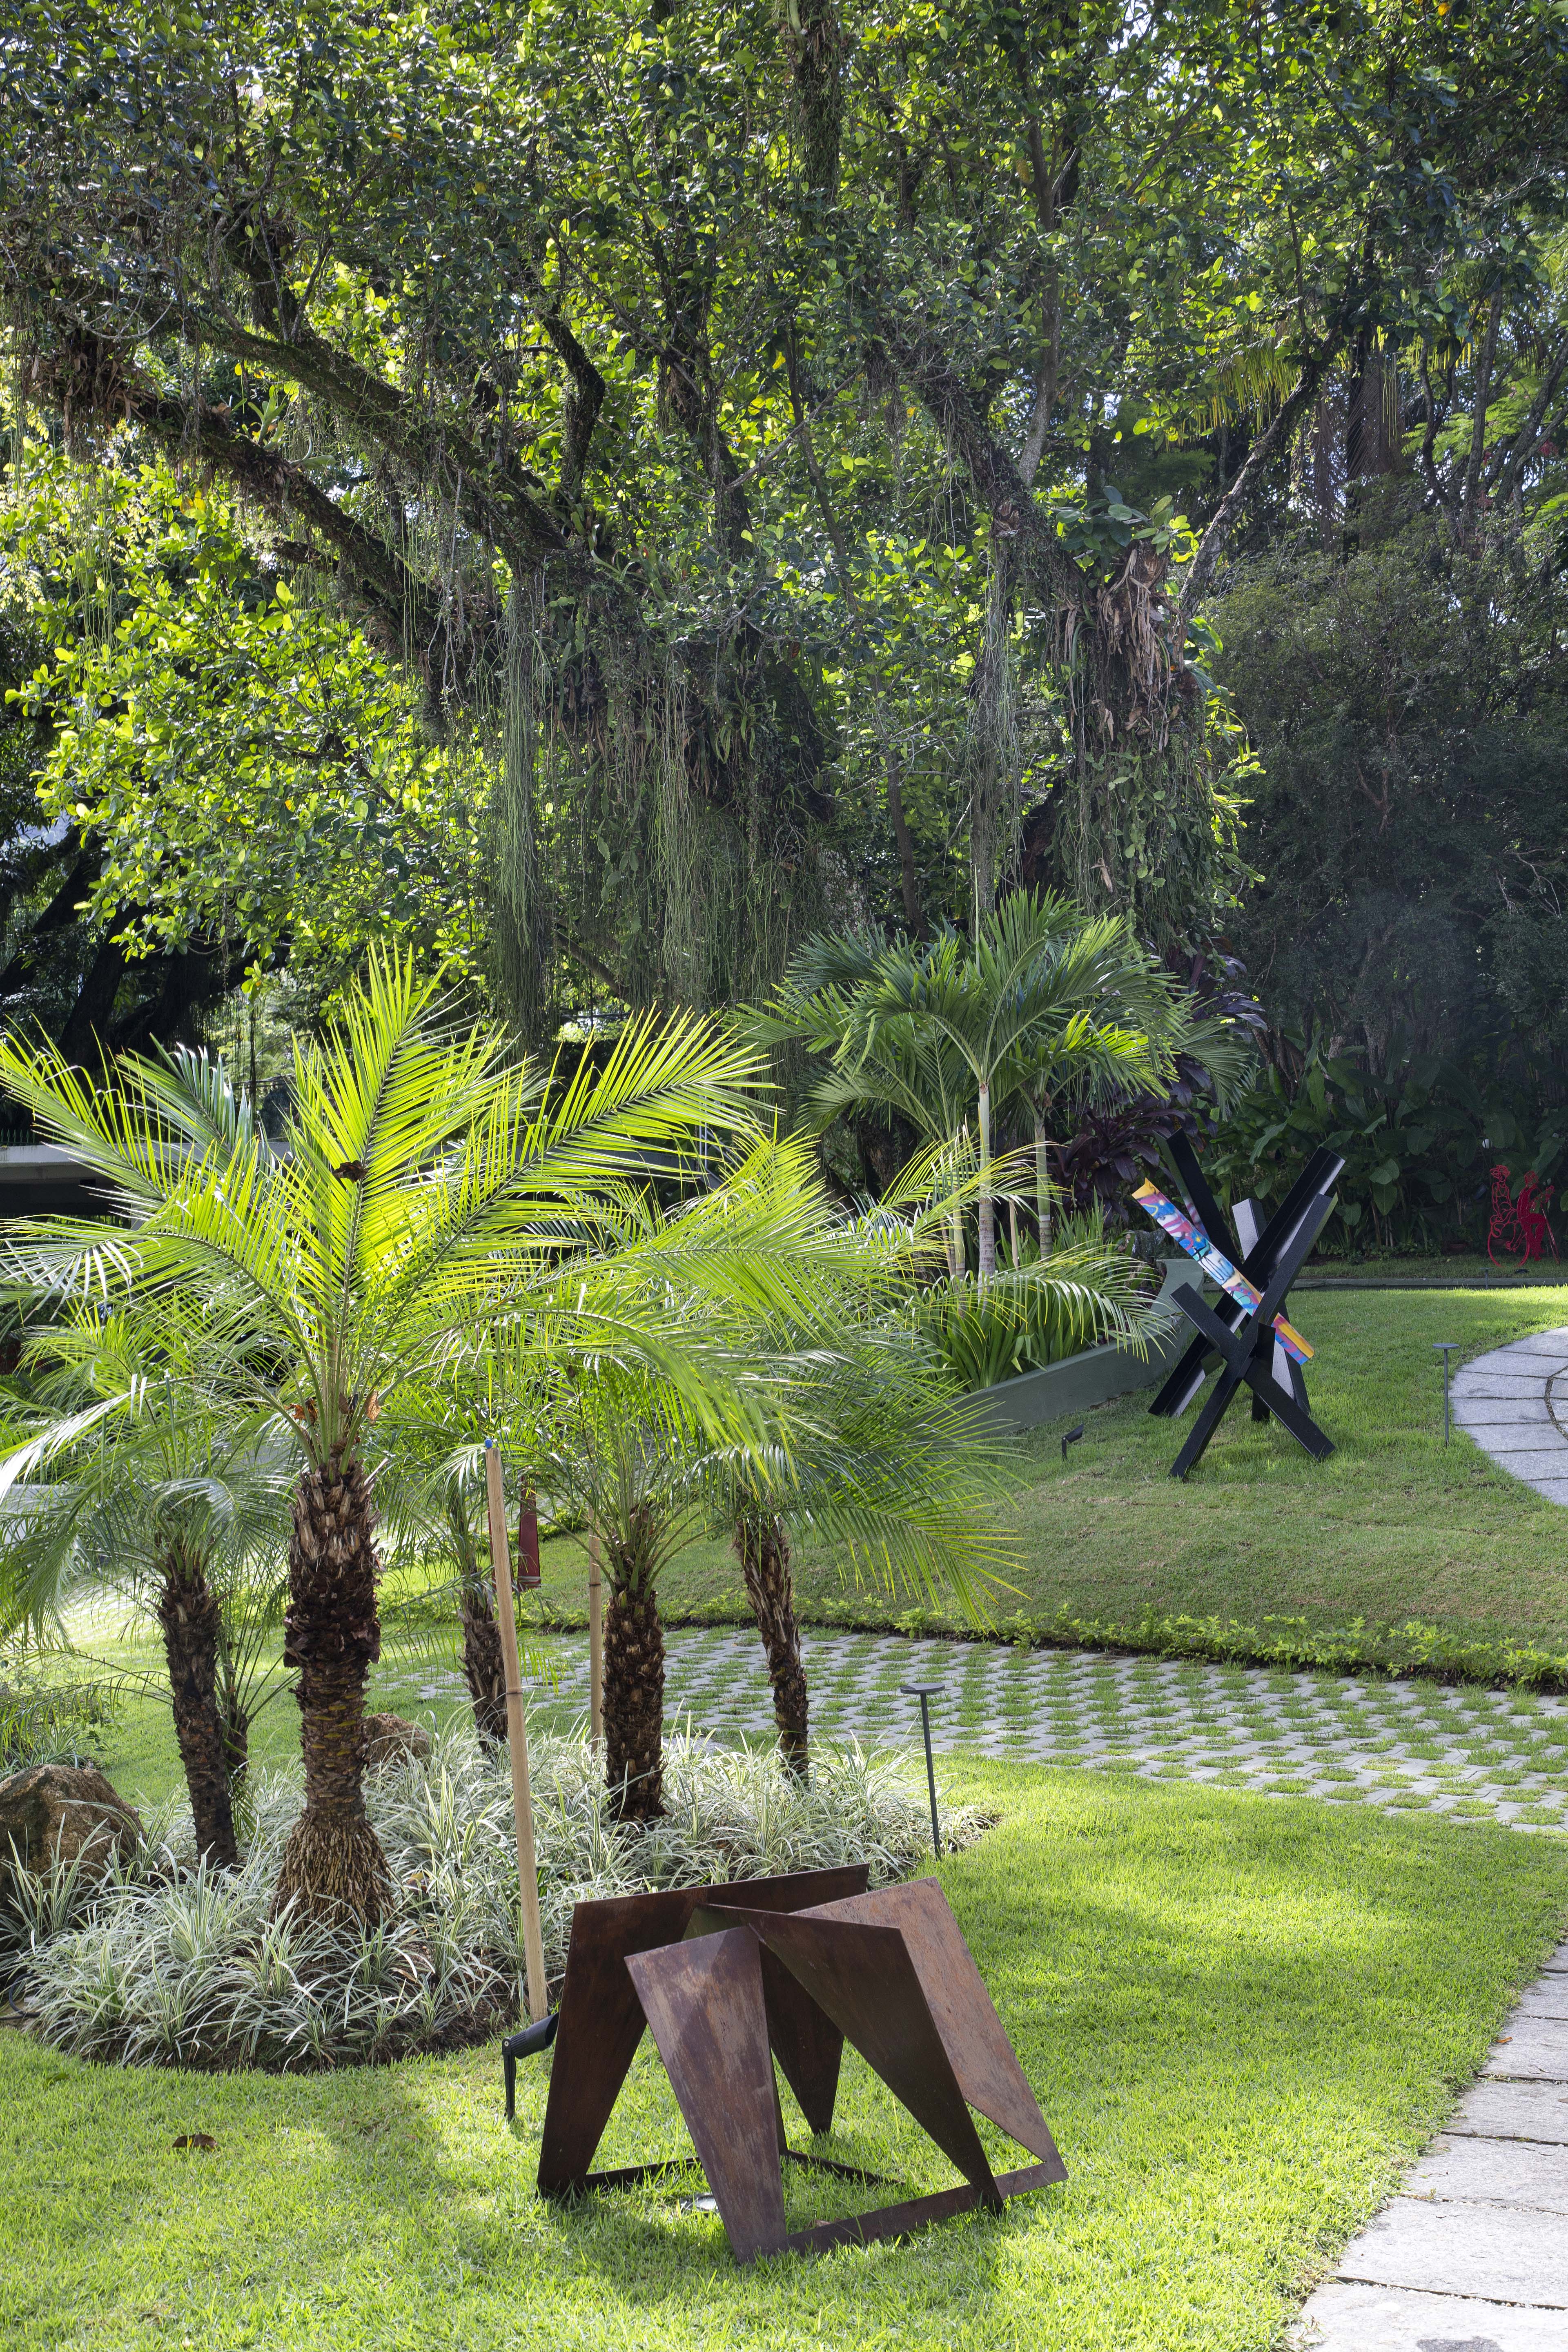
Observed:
{"x":1520,"y":1229}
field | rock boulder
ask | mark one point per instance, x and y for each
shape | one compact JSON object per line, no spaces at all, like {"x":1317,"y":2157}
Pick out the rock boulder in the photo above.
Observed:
{"x":392,"y":1740}
{"x":64,"y":1810}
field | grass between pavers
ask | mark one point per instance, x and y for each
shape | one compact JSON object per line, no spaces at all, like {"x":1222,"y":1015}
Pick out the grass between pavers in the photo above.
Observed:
{"x":1397,"y":1552}
{"x":1242,"y":2020}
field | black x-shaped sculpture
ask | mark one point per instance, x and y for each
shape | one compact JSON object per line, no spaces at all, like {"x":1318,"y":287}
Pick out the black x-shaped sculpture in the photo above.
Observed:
{"x":1248,"y":1347}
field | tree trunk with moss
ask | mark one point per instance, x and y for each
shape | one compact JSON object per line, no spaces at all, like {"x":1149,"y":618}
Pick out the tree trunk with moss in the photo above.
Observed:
{"x":334,"y":1866}
{"x":762,"y":1546}
{"x":189,"y":1613}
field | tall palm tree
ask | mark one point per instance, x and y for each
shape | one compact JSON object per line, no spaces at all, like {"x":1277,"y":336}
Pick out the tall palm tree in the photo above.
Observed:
{"x":868,"y":1001}
{"x":1044,"y":1006}
{"x":425,"y":1176}
{"x":906,"y":1069}
{"x":141,"y":1477}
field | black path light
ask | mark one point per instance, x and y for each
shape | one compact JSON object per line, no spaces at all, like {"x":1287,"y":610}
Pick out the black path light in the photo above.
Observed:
{"x":1445,"y":1349}
{"x":925,"y":1692}
{"x":1071,"y":1438}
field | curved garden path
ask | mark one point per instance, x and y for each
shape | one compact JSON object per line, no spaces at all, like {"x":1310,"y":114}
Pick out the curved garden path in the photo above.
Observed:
{"x":1514,"y":1403}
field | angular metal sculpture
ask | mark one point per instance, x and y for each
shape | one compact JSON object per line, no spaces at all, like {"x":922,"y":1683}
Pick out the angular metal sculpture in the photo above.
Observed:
{"x":729,"y":1979}
{"x":1248,"y":1348}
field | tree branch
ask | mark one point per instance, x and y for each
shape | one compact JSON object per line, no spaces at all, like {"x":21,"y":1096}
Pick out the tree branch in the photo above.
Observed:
{"x":1478,"y":423}
{"x":1200,"y":571}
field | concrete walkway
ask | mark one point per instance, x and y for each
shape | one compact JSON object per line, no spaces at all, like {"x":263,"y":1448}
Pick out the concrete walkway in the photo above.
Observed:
{"x":1472,"y":2255}
{"x":1514,"y":1403}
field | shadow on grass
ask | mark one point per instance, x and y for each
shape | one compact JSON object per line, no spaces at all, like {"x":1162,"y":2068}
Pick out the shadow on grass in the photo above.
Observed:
{"x":1240,"y":2018}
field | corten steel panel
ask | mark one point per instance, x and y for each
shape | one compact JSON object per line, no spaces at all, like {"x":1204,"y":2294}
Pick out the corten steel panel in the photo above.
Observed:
{"x":703,"y":2001}
{"x":865,"y":1978}
{"x":915,"y":2212}
{"x":806,"y":2043}
{"x":602,"y":2019}
{"x":983,"y":2060}
{"x":748,"y":1973}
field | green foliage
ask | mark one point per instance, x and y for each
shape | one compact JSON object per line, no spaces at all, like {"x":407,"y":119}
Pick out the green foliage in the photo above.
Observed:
{"x":781,"y":438}
{"x":1417,"y":1142}
{"x":52,"y":1717}
{"x":1408,"y":698}
{"x":1088,"y":1290}
{"x":250,"y":768}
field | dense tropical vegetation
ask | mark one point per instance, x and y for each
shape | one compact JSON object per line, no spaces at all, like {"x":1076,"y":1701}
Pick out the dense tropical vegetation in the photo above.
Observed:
{"x":677,"y":681}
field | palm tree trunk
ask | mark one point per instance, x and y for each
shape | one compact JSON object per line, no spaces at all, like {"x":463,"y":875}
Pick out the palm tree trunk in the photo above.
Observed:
{"x":484,"y":1667}
{"x":988,"y":1213}
{"x":236,"y":1722}
{"x":334,"y":1866}
{"x":957,"y":1250}
{"x":1042,"y":1185}
{"x":762,"y":1546}
{"x":189,"y":1613}
{"x":633,"y":1705}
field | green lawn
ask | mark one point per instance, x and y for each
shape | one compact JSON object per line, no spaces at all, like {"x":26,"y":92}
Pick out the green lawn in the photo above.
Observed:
{"x":1470,"y":1266}
{"x":1393,"y":1527}
{"x":1242,"y":2017}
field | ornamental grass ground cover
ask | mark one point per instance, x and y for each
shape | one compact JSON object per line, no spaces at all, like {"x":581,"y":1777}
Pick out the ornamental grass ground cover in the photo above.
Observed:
{"x":1242,"y":2017}
{"x":165,"y":1961}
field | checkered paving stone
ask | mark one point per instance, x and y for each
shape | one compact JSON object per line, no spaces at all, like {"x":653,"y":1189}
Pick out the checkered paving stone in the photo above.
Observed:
{"x":1468,"y":1753}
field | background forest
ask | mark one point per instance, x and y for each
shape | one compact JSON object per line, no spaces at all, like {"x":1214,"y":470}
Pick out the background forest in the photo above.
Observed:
{"x":598,"y":495}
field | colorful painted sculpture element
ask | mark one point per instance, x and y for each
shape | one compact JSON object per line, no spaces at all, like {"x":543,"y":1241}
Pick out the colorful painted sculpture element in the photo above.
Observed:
{"x":1218,"y":1267}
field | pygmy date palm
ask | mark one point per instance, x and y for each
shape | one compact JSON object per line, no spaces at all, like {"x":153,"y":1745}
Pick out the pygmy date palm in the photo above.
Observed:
{"x":142,"y":1479}
{"x":424,"y":1174}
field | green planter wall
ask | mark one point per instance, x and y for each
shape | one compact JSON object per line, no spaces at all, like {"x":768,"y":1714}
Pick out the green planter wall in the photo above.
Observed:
{"x":1093,"y":1378}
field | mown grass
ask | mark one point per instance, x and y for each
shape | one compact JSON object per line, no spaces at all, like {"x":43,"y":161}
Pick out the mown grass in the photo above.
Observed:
{"x":1242,"y":2017}
{"x":1393,"y":1527}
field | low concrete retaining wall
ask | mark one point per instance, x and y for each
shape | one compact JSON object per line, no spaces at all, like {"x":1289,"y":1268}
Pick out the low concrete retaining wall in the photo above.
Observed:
{"x":1096,"y":1376}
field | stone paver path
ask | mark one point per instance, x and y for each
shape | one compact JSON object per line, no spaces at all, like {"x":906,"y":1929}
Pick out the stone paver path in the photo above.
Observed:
{"x":1514,"y":1403}
{"x":1472,"y":1754}
{"x":1472,"y":2255}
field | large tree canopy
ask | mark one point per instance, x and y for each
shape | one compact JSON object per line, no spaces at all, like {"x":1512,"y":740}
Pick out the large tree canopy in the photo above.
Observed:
{"x":770,"y":424}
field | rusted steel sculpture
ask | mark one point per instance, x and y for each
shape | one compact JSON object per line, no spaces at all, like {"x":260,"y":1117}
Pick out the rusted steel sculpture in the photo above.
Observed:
{"x":731,"y":1978}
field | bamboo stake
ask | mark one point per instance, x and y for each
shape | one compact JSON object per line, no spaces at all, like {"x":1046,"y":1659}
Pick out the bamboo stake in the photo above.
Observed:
{"x":517,"y":1738}
{"x":595,"y":1642}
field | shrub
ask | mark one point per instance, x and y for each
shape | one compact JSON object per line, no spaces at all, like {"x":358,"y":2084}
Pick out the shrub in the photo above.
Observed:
{"x":1090,"y":1288}
{"x":1417,"y":1144}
